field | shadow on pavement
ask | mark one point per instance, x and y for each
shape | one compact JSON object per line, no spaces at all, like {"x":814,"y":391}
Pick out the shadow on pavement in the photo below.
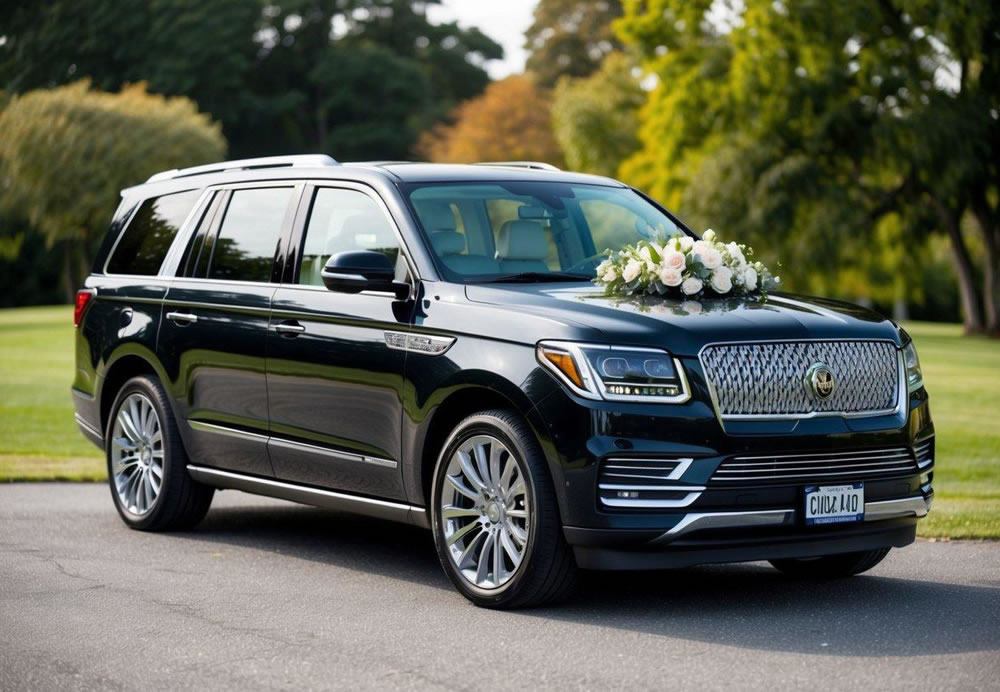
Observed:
{"x":746,"y":605}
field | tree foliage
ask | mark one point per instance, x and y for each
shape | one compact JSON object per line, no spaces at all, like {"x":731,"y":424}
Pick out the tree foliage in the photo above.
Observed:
{"x":67,"y":152}
{"x":510,"y":121}
{"x":595,"y":118}
{"x":805,"y":125}
{"x":570,"y":37}
{"x":352,"y":78}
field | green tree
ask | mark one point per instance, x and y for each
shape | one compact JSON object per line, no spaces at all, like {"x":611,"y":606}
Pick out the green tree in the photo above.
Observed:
{"x":68,"y":151}
{"x":804,"y":125}
{"x":570,"y":37}
{"x":596,"y":118}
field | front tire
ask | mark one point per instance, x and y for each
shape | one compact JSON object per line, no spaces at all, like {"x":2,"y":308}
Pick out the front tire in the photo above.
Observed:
{"x":495,"y":519}
{"x":832,"y":566}
{"x":147,"y":463}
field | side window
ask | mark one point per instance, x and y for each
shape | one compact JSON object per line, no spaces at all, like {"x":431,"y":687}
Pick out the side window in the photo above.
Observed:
{"x":341,"y":220}
{"x":248,"y":237}
{"x":148,"y":236}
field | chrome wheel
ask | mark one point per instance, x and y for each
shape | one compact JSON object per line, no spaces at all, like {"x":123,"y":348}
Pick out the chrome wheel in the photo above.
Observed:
{"x":137,"y":454}
{"x":485,"y":512}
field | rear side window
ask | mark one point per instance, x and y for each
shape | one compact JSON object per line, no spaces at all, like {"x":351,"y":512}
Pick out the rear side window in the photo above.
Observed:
{"x":148,"y":236}
{"x":248,"y":237}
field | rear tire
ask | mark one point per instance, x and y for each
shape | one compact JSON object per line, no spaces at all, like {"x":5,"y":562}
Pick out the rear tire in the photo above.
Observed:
{"x":495,"y":520}
{"x":147,"y":463}
{"x":832,"y":566}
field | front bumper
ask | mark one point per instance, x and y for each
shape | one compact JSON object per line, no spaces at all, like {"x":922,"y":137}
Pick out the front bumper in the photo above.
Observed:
{"x":741,"y":536}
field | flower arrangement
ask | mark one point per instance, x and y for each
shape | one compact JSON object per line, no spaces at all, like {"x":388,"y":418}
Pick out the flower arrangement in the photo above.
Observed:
{"x":685,"y":266}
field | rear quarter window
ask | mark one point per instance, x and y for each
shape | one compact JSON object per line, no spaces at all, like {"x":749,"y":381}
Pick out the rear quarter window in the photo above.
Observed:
{"x":147,"y":238}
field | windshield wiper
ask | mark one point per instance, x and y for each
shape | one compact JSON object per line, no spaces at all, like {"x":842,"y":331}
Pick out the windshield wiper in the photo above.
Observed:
{"x":532,"y":277}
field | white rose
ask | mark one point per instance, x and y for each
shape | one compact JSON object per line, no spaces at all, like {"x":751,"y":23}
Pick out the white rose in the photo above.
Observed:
{"x":671,"y":276}
{"x":685,"y":243}
{"x":691,"y":286}
{"x":631,"y":271}
{"x":674,"y":260}
{"x":750,"y":278}
{"x":700,"y":246}
{"x":644,"y":252}
{"x":711,"y":258}
{"x":736,"y":253}
{"x":709,"y":235}
{"x":603,"y":267}
{"x":722,"y":280}
{"x":610,"y":275}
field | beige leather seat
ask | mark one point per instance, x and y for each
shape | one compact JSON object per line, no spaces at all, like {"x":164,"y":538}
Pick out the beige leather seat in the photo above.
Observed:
{"x":522,"y":247}
{"x":448,"y":243}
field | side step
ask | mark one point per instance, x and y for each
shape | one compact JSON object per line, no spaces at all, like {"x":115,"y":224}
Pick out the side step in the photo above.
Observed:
{"x":382,"y":509}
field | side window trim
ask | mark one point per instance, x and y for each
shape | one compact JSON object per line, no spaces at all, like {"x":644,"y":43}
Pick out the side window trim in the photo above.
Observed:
{"x":189,"y":261}
{"x":302,"y":222}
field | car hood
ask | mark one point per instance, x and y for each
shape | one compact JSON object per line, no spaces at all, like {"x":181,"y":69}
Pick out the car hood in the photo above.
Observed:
{"x":685,"y":326}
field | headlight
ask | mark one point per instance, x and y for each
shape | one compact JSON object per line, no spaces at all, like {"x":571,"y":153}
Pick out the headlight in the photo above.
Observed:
{"x":616,"y":373}
{"x":914,"y":377}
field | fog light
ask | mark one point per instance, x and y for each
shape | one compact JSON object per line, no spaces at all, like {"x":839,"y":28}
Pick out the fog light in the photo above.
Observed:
{"x":626,"y":494}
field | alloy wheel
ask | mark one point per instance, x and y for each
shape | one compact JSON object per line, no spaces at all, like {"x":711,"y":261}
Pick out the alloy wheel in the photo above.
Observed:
{"x":485,"y":512}
{"x":137,"y":454}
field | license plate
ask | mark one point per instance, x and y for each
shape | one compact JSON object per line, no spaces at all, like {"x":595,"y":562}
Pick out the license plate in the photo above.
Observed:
{"x":835,"y":504}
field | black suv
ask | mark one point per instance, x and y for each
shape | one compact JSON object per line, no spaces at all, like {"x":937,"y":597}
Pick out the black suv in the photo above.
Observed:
{"x":423,"y":343}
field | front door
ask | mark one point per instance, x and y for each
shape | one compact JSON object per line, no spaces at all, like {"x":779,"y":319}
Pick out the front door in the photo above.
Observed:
{"x":334,"y":385}
{"x":214,"y":331}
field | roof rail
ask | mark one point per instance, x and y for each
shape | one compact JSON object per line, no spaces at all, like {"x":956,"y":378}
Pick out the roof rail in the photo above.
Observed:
{"x":537,"y":165}
{"x":301,"y":161}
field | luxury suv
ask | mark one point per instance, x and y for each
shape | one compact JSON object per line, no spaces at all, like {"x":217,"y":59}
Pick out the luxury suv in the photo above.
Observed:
{"x":425,"y":344}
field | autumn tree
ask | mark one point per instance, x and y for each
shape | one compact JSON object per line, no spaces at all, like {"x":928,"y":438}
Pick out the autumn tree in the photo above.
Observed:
{"x":510,"y":121}
{"x":570,"y":38}
{"x":67,"y":152}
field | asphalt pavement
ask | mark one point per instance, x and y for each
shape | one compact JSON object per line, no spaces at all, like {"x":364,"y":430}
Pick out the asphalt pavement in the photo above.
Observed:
{"x":266,"y":594}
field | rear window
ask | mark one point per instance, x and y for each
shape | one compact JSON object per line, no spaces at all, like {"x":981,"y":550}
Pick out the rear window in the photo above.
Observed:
{"x":147,"y":238}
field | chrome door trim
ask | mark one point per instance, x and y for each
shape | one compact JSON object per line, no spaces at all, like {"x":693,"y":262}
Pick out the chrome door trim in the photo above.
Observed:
{"x":226,"y":431}
{"x":333,"y":453}
{"x":384,"y":509}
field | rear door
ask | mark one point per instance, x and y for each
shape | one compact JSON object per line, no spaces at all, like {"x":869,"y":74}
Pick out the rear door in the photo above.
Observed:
{"x":334,"y":385}
{"x":214,"y":332}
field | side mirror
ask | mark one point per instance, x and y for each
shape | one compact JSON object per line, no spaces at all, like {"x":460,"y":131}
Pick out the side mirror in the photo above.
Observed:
{"x":362,"y":270}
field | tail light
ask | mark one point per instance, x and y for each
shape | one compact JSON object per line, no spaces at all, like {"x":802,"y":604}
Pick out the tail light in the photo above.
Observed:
{"x":83,"y":298}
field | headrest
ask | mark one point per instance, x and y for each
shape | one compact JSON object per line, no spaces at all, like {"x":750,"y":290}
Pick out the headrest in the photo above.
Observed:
{"x":448,"y":242}
{"x":364,"y":230}
{"x":436,"y":216}
{"x":522,"y":240}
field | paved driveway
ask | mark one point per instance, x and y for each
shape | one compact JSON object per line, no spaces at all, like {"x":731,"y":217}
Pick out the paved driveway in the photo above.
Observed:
{"x":266,"y":594}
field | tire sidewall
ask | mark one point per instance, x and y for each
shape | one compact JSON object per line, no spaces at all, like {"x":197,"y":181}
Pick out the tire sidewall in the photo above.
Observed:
{"x":485,"y":424}
{"x":148,"y":388}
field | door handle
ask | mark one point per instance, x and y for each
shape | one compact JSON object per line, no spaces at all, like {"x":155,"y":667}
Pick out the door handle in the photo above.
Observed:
{"x":184,"y":317}
{"x":290,"y":328}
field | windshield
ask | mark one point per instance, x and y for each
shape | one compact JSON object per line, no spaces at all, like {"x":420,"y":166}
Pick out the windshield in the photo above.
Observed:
{"x":532,"y":231}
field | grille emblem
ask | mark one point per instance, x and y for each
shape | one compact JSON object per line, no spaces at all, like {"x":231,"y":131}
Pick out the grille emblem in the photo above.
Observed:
{"x":820,"y":380}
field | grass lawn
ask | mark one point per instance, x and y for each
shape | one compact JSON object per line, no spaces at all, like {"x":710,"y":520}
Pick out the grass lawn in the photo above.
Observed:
{"x":39,"y":440}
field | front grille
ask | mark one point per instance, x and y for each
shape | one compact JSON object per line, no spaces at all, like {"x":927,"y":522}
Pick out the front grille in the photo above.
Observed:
{"x":633,"y":482}
{"x":871,"y":464}
{"x":925,"y":453}
{"x":769,"y":378}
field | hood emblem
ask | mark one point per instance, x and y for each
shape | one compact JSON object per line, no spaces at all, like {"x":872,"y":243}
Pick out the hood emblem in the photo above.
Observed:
{"x":819,"y":380}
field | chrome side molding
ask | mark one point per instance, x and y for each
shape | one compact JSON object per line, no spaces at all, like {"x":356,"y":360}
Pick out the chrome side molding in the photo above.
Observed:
{"x":383,"y":509}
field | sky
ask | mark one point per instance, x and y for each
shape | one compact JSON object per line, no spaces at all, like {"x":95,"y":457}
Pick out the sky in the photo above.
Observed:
{"x":505,"y":21}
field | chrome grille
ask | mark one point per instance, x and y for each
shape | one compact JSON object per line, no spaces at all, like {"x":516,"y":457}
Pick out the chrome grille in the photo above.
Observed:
{"x":925,"y":453}
{"x":834,"y":466}
{"x":769,"y":378}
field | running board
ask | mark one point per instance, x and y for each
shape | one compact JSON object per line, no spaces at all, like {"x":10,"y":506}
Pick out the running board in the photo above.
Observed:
{"x":329,"y":499}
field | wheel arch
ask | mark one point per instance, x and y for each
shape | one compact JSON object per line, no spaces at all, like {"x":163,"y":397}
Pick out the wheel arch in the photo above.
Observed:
{"x":130,"y":361}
